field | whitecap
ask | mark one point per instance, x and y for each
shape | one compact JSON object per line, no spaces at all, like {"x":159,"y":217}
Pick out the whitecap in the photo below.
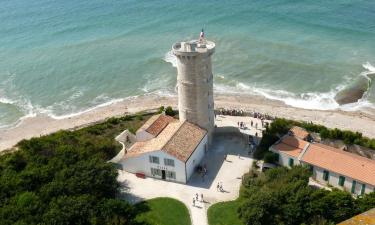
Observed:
{"x":170,"y":58}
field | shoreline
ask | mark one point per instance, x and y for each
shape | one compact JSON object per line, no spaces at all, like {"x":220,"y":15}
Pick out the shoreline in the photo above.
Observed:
{"x":42,"y":124}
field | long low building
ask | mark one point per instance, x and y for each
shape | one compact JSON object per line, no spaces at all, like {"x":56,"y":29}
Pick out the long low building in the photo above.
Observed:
{"x":167,"y":149}
{"x":341,"y":169}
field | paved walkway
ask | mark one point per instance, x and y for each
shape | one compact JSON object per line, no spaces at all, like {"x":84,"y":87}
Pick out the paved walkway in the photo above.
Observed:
{"x":229,"y":172}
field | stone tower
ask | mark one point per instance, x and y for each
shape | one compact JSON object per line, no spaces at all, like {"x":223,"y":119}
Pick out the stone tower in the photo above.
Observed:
{"x":195,"y":82}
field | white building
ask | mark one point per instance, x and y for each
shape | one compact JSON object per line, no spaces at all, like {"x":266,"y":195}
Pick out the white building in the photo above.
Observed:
{"x":341,"y":169}
{"x":167,"y":149}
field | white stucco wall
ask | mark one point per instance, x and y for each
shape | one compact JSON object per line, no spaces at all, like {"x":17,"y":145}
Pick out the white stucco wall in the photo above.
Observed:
{"x":141,"y":164}
{"x":196,"y":157}
{"x":333,"y":180}
{"x":284,"y":158}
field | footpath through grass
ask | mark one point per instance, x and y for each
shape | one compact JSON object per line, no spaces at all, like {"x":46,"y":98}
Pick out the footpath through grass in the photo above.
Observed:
{"x":224,"y":213}
{"x":162,"y":211}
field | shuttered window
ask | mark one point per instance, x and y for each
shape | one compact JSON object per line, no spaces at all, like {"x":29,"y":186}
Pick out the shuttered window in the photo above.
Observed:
{"x":341,"y":180}
{"x":325,"y":175}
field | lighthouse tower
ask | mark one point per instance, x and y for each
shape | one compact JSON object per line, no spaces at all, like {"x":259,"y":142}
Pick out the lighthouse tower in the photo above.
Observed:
{"x":195,"y":82}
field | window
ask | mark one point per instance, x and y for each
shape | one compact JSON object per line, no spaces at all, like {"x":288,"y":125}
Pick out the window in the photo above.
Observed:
{"x":291,"y":162}
{"x":171,"y":174}
{"x":363,"y":189}
{"x":325,"y":175}
{"x":353,"y":186}
{"x":341,"y":180}
{"x":311,"y":168}
{"x":169,"y":162}
{"x":154,"y":159}
{"x":155,"y":172}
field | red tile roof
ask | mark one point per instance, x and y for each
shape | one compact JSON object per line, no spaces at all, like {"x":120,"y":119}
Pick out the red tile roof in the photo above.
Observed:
{"x":159,"y":124}
{"x":299,"y":132}
{"x":366,"y":218}
{"x":341,"y":162}
{"x":290,"y":145}
{"x":185,"y":141}
{"x":178,"y":139}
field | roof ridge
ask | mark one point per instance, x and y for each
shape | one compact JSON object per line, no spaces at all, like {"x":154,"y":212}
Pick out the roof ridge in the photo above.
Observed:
{"x":305,"y":149}
{"x":174,"y":133}
{"x":339,"y":151}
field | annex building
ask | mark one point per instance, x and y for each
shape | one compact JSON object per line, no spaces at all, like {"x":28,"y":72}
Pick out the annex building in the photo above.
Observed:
{"x":166,"y":148}
{"x":341,"y":169}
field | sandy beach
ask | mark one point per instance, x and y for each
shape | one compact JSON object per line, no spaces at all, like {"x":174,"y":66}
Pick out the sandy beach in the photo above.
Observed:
{"x":43,"y":124}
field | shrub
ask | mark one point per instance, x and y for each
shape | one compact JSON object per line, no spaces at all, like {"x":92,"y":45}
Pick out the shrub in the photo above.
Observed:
{"x":270,"y":157}
{"x":161,"y":110}
{"x":169,"y":111}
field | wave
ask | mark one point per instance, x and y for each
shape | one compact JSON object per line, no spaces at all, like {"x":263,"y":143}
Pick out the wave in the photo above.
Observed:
{"x":309,"y":100}
{"x":170,"y":58}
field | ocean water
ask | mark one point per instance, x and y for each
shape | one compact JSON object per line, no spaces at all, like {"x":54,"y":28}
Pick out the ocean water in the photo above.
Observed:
{"x":65,"y":57}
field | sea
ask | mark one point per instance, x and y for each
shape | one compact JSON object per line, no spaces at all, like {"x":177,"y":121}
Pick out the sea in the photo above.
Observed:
{"x":63,"y":58}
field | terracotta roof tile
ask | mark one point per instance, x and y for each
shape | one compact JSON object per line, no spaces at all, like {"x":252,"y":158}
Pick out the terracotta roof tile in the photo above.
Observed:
{"x":185,"y":141}
{"x":351,"y":165}
{"x":290,"y":145}
{"x":299,"y":132}
{"x":177,"y":138}
{"x":366,"y":218}
{"x":159,"y":124}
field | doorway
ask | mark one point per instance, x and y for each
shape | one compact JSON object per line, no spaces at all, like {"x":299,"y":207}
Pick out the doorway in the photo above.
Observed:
{"x":163,"y":174}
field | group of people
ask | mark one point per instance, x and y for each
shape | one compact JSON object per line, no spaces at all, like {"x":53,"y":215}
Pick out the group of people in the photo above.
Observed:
{"x":219,"y":187}
{"x":196,"y":199}
{"x":240,"y":112}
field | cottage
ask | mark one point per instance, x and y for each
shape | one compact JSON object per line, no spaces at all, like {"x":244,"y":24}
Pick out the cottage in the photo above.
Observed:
{"x":341,"y":169}
{"x":167,"y":149}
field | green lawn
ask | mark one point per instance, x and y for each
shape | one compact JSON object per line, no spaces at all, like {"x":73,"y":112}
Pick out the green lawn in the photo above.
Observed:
{"x":224,"y":213}
{"x":162,"y":211}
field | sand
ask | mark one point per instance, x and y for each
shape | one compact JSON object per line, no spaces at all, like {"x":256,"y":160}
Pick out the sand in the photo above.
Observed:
{"x":43,"y":124}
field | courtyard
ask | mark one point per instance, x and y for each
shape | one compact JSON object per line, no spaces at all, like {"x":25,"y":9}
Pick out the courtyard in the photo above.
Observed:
{"x":227,"y":161}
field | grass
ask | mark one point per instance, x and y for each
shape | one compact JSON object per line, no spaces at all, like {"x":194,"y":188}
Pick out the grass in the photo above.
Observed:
{"x":224,"y":213}
{"x":162,"y":211}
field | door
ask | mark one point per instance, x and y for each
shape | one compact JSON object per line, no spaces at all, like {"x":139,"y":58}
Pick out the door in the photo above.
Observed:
{"x":163,"y":174}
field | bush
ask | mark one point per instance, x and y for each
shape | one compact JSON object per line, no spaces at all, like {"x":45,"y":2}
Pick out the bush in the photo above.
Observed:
{"x":161,"y":110}
{"x":270,"y":157}
{"x":282,"y":196}
{"x":169,"y":111}
{"x":64,"y":178}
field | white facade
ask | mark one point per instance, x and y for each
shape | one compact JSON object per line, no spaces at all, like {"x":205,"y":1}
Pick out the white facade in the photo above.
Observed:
{"x":196,"y":157}
{"x":182,"y":171}
{"x":332,"y":178}
{"x":285,"y":159}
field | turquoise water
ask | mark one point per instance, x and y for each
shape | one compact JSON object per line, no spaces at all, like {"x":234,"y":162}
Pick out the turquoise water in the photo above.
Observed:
{"x":64,"y":57}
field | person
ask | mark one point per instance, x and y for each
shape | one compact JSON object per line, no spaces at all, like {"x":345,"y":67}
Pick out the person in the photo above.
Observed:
{"x":221,"y":187}
{"x":196,"y":196}
{"x":193,"y":201}
{"x":225,"y":157}
{"x":217,"y":186}
{"x":201,"y":197}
